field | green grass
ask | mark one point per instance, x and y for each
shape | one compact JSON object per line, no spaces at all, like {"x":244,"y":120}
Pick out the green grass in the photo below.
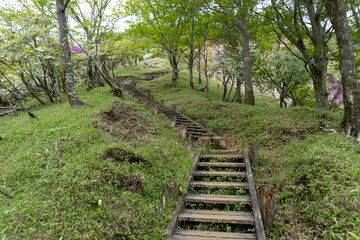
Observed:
{"x":316,"y":174}
{"x":160,"y":65}
{"x":52,"y":173}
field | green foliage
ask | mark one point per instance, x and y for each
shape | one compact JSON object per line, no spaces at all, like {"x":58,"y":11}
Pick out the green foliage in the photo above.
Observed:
{"x":315,"y":173}
{"x":52,"y":173}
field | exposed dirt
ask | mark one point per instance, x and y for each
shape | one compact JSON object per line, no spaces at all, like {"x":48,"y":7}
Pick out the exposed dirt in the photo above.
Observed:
{"x":131,"y":183}
{"x":125,"y":122}
{"x":121,"y":155}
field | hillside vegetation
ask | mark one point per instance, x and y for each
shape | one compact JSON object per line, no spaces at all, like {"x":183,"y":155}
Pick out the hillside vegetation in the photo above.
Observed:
{"x":100,"y":171}
{"x":315,"y":173}
{"x":97,"y":172}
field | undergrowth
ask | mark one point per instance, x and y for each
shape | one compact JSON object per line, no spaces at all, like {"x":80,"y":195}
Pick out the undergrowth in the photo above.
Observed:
{"x":316,"y":174}
{"x":61,"y":176}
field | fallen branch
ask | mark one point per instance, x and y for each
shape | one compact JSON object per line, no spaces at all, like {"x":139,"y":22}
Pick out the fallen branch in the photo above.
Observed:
{"x":18,"y":109}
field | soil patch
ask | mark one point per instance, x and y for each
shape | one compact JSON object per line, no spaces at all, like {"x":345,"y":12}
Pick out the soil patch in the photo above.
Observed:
{"x":125,"y":122}
{"x":121,"y":155}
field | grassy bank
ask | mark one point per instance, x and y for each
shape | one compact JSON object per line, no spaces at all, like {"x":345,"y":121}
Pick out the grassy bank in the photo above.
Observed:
{"x":85,"y":174}
{"x":315,"y":173}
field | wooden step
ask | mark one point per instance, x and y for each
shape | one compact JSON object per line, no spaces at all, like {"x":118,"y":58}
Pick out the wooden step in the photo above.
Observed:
{"x":219,"y":174}
{"x":219,"y":151}
{"x":206,"y":184}
{"x":221,"y":164}
{"x":222,"y":156}
{"x":231,"y":217}
{"x":217,"y":199}
{"x":201,"y":235}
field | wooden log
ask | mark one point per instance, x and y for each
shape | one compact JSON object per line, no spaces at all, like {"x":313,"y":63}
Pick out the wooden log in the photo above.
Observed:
{"x":267,"y":205}
{"x":219,"y":131}
{"x":254,"y":154}
{"x":173,"y":121}
{"x":203,"y":123}
{"x":173,"y":107}
{"x":219,"y":142}
{"x":259,"y":226}
{"x":205,"y":141}
{"x":183,"y":131}
{"x":183,"y":111}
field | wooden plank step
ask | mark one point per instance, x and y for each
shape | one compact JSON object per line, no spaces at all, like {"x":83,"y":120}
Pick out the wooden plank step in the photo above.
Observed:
{"x":201,"y":134}
{"x":209,"y":184}
{"x":231,"y":217}
{"x":196,"y":129}
{"x":206,"y":235}
{"x":217,"y":199}
{"x":224,"y":151}
{"x":218,"y":174}
{"x":223,"y":156}
{"x":221,"y":164}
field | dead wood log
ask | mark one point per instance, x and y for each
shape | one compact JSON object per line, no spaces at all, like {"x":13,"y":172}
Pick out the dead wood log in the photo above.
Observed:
{"x":267,"y":206}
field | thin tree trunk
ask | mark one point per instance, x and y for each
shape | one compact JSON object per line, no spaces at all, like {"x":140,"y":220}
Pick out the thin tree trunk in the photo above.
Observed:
{"x":64,"y":42}
{"x":191,"y":73}
{"x":355,"y":14}
{"x":206,"y":72}
{"x":231,"y":88}
{"x":30,"y":88}
{"x":249,"y":92}
{"x":336,"y":10}
{"x":199,"y":57}
{"x":16,"y":93}
{"x":53,"y":65}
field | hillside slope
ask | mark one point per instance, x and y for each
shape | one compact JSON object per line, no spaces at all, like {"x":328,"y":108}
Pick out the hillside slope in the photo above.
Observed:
{"x":315,"y":173}
{"x":97,"y":172}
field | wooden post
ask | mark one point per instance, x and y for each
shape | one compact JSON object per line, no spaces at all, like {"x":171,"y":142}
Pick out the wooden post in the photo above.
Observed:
{"x":141,"y":89}
{"x":190,"y":137}
{"x":267,"y":206}
{"x":205,"y":141}
{"x":203,"y":123}
{"x":173,"y":121}
{"x":219,"y":131}
{"x":183,"y":131}
{"x":133,"y":83}
{"x":254,"y":154}
{"x":220,"y":142}
{"x":173,"y":107}
{"x":183,"y":111}
{"x":157,"y":109}
{"x":162,"y":102}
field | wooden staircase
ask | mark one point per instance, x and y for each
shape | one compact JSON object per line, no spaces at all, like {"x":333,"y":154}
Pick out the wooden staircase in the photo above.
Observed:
{"x":224,"y":170}
{"x":221,"y":202}
{"x":194,"y":129}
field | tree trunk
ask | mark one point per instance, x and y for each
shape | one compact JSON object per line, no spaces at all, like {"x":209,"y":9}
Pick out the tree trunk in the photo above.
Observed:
{"x":199,"y":66}
{"x":355,"y":14}
{"x":53,"y":64}
{"x":245,"y":39}
{"x":191,"y":74}
{"x":175,"y":70}
{"x":64,"y":42}
{"x":336,"y":10}
{"x":206,"y":72}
